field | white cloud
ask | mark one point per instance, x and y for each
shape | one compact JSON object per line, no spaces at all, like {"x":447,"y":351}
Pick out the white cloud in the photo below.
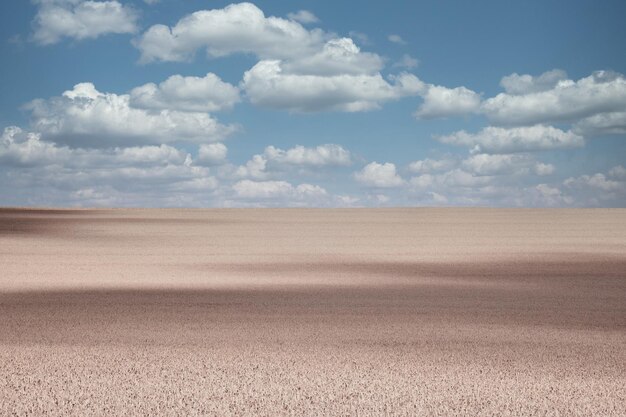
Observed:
{"x":379,"y":175}
{"x":21,"y":148}
{"x":599,"y":189}
{"x":191,"y":94}
{"x":460,"y":178}
{"x":396,"y":39}
{"x":277,"y":190}
{"x":407,"y":61}
{"x":299,"y":70}
{"x":303,"y":16}
{"x":618,"y":172}
{"x":212,"y":154}
{"x":77,"y":19}
{"x":86,"y":117}
{"x":444,"y":102}
{"x":603,"y":123}
{"x":237,"y":28}
{"x":516,"y":84}
{"x":322,"y":155}
{"x":506,"y":140}
{"x":145,"y":175}
{"x":427,"y":166}
{"x":254,"y":168}
{"x":597,"y":181}
{"x":267,"y":86}
{"x":275,"y":160}
{"x":262,"y":189}
{"x":601,"y":92}
{"x":360,"y":36}
{"x":505,"y":164}
{"x":336,"y":57}
{"x":26,"y":149}
{"x":546,"y":195}
{"x":542,"y":169}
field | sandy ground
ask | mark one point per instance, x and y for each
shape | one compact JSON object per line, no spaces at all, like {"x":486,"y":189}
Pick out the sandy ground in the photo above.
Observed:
{"x":413,"y":312}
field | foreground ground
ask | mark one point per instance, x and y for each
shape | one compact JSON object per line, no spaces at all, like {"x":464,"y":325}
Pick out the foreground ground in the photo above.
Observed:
{"x":313,"y":312}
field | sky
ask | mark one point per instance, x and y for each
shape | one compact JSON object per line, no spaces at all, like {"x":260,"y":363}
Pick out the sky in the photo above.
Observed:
{"x":205,"y":103}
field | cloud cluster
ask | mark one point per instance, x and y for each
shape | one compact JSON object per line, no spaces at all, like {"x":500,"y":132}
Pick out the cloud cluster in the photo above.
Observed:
{"x":518,"y":139}
{"x":137,"y":175}
{"x":378,"y":175}
{"x":274,"y":161}
{"x":154,"y":175}
{"x":567,"y":100}
{"x":80,"y":19}
{"x":299,"y":70}
{"x":85,"y":116}
{"x":480,"y":179}
{"x":303,"y":16}
{"x":237,"y":28}
{"x":522,"y":116}
{"x":445,"y":102}
{"x":266,"y":85}
{"x":161,"y":143}
{"x":276,"y":189}
{"x":191,"y":94}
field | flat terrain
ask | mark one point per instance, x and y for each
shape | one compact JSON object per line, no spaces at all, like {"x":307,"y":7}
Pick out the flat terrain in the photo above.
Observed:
{"x":413,"y":312}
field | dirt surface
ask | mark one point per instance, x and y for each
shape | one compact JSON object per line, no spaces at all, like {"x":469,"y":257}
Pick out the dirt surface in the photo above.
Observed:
{"x":413,"y":312}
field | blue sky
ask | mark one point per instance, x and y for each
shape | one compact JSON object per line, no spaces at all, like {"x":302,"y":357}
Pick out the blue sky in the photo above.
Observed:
{"x":312,"y":103}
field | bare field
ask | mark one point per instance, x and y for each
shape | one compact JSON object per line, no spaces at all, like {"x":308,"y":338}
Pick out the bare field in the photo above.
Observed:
{"x":416,"y":312}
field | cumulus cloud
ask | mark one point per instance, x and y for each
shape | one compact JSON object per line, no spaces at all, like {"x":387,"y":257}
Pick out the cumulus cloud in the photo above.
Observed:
{"x":254,"y":168}
{"x":21,"y":148}
{"x":77,"y":19}
{"x":191,"y":94}
{"x":618,"y":172}
{"x":454,"y":178}
{"x":337,"y":56}
{"x":599,"y":189}
{"x":379,"y":175}
{"x":274,"y":160}
{"x":461,"y":187}
{"x":303,"y":16}
{"x":427,"y":166}
{"x":597,"y":181}
{"x":237,"y":28}
{"x":445,"y":102}
{"x":603,"y":123}
{"x":546,"y":195}
{"x":505,"y":164}
{"x":396,"y":39}
{"x":504,"y":180}
{"x":481,"y":179}
{"x":85,"y":116}
{"x":530,"y":101}
{"x":322,"y":155}
{"x":519,"y":139}
{"x":480,"y":165}
{"x":516,"y":84}
{"x":407,"y":61}
{"x":272,"y":193}
{"x":266,"y":85}
{"x":212,"y":154}
{"x":299,"y":70}
{"x":275,"y":189}
{"x":137,"y":175}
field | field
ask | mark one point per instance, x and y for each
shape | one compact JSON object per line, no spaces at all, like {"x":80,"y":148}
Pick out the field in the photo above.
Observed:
{"x":416,"y":312}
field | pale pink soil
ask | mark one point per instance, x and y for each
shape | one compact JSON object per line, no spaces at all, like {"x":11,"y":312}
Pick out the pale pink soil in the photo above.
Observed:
{"x":313,"y":312}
